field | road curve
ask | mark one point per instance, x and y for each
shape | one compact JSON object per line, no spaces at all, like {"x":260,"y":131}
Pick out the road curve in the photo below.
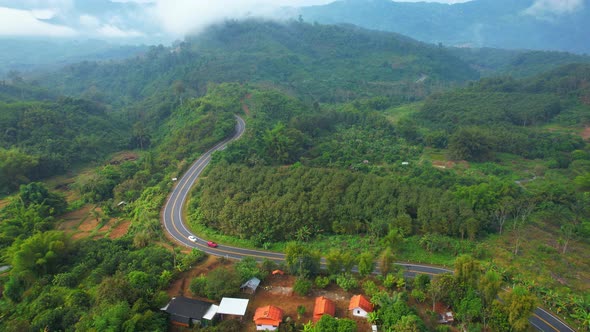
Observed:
{"x":174,"y":224}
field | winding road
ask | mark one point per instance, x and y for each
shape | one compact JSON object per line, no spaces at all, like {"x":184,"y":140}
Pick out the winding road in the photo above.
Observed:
{"x":172,"y":218}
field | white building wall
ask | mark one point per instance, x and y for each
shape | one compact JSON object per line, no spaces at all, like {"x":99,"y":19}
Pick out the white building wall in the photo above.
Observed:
{"x":266,"y":328}
{"x":359,"y":312}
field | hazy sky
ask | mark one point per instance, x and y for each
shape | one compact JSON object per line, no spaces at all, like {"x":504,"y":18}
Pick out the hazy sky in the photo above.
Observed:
{"x":54,"y":18}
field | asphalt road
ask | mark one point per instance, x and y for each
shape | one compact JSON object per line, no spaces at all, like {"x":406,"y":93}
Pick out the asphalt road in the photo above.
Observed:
{"x":172,"y":218}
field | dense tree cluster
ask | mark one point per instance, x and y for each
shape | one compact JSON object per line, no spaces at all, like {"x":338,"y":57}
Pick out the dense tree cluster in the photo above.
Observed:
{"x":270,"y":204}
{"x":84,"y":285}
{"x":41,"y":139}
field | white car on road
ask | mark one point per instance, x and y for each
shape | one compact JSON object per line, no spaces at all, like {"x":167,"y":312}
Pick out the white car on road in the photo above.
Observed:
{"x":192,"y":238}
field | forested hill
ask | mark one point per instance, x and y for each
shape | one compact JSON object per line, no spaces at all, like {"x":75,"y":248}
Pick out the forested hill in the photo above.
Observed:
{"x":44,"y":138}
{"x":515,"y":63}
{"x":317,"y":62}
{"x":512,"y":116}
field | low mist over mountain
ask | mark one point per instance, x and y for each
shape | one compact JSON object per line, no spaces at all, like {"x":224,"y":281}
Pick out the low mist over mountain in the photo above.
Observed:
{"x":522,"y":24}
{"x":25,"y":55}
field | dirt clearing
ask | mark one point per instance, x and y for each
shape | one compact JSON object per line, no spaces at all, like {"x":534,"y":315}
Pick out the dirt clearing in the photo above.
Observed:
{"x":180,"y":287}
{"x":3,"y":202}
{"x":86,"y":222}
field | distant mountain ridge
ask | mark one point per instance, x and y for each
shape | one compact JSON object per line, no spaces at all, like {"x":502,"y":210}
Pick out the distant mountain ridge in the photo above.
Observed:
{"x":316,"y":62}
{"x":34,"y":54}
{"x":478,"y":23}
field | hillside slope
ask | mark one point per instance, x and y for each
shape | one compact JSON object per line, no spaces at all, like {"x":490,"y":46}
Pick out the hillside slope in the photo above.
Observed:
{"x":316,"y":62}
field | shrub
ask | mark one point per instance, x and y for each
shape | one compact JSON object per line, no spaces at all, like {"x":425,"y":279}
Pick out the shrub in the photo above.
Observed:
{"x":390,"y":281}
{"x":302,"y":286}
{"x":418,"y":295}
{"x":346,"y":282}
{"x":198,"y":285}
{"x":322,"y":282}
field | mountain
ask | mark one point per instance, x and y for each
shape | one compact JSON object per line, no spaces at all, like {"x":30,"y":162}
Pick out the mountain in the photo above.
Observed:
{"x":33,"y":54}
{"x":515,"y":63}
{"x":316,"y":62}
{"x":524,"y":24}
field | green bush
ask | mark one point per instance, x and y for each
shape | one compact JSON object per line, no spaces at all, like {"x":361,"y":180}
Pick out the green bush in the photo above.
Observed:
{"x":198,"y":285}
{"x":419,"y":295}
{"x":322,"y":282}
{"x":302,"y":286}
{"x":347,"y":282}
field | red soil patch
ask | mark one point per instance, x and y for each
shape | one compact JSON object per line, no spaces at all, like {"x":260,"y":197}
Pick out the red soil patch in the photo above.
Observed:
{"x":586,"y":133}
{"x":90,"y":223}
{"x":120,"y":230}
{"x":72,"y":219}
{"x":122,"y":157}
{"x":449,"y":163}
{"x":3,"y":203}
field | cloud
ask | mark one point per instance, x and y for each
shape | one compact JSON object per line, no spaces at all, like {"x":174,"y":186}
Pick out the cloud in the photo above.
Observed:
{"x":17,"y":22}
{"x":180,"y":17}
{"x":450,"y":2}
{"x":44,"y":14}
{"x":111,"y":31}
{"x":549,"y":8}
{"x":89,"y":21}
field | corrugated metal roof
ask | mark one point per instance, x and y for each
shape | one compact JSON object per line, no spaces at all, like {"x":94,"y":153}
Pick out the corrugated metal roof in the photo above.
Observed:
{"x":232,"y":306}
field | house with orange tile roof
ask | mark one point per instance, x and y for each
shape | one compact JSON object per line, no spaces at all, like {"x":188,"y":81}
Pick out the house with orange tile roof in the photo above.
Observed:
{"x":360,"y":306}
{"x":323,"y":306}
{"x":268,"y":318}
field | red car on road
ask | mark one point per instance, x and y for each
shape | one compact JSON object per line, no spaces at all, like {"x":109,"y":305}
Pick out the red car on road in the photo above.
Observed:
{"x":212,"y":244}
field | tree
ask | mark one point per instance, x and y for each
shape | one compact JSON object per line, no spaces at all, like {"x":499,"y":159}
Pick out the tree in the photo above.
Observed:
{"x":140,"y":137}
{"x":523,"y":210}
{"x":403,"y":224}
{"x":41,"y":254}
{"x":302,"y":286}
{"x":470,"y":144}
{"x":179,"y":89}
{"x":346,"y":282}
{"x":283,"y":144}
{"x":469,"y":308}
{"x":247,"y":268}
{"x":366,"y":264}
{"x":502,"y":211}
{"x":421,"y":282}
{"x":441,"y":287}
{"x":489,"y":286}
{"x":386,"y":261}
{"x":222,"y":282}
{"x":142,"y":282}
{"x":15,"y":168}
{"x":467,"y":271}
{"x":301,"y":261}
{"x":409,"y":323}
{"x":328,"y":323}
{"x":568,"y":231}
{"x":334,"y":263}
{"x":518,"y":305}
{"x":198,"y":285}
